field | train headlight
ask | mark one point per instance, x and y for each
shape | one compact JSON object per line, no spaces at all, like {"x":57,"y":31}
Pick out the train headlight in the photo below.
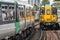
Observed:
{"x":54,"y":19}
{"x":42,"y":19}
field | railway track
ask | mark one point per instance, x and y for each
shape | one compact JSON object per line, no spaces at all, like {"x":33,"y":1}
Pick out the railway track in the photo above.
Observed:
{"x":37,"y":36}
{"x":57,"y":35}
{"x":50,"y":35}
{"x":46,"y":35}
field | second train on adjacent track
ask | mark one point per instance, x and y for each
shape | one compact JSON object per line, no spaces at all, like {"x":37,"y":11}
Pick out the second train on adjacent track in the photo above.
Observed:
{"x":48,"y":17}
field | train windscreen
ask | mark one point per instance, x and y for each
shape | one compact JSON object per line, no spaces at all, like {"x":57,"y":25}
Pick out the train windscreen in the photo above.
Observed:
{"x":54,"y":11}
{"x":41,"y":11}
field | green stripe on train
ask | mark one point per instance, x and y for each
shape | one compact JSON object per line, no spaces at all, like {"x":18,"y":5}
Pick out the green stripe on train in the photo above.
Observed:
{"x":17,"y":24}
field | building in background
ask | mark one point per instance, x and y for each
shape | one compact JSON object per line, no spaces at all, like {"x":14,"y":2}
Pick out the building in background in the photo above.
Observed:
{"x":56,"y":3}
{"x":32,"y":2}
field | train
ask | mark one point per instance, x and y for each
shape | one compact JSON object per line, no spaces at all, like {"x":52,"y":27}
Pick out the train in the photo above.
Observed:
{"x":48,"y":17}
{"x":16,"y":20}
{"x":37,"y":16}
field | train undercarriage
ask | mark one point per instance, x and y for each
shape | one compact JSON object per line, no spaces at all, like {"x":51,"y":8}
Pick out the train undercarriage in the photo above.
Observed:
{"x":22,"y":36}
{"x":49,"y":26}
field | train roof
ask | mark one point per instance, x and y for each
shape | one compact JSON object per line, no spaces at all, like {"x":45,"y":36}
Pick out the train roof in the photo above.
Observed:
{"x":11,"y":3}
{"x":27,"y":5}
{"x":19,"y":3}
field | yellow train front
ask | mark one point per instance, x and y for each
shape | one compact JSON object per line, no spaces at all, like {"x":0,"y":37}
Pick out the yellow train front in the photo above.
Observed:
{"x":48,"y":17}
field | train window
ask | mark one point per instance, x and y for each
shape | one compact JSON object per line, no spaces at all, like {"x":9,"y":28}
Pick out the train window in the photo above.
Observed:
{"x":2,"y":6}
{"x":42,"y":11}
{"x":12,"y":7}
{"x":8,"y":15}
{"x":4,"y":16}
{"x":5,"y":7}
{"x":9,"y":7}
{"x":4,"y":12}
{"x":27,"y":12}
{"x":54,"y":11}
{"x":22,"y":14}
{"x":48,"y":11}
{"x":20,"y":8}
{"x":11,"y":15}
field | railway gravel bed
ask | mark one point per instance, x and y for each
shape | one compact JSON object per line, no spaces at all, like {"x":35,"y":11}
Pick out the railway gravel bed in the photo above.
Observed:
{"x":51,"y":35}
{"x":36,"y":36}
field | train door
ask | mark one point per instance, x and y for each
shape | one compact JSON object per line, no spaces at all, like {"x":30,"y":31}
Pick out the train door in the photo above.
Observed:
{"x":32,"y":16}
{"x":21,"y":14}
{"x":22,"y":19}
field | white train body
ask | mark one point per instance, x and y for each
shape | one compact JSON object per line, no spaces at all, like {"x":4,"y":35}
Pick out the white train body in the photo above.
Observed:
{"x":8,"y":28}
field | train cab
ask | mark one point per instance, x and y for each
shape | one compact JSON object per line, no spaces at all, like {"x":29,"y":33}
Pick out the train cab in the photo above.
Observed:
{"x":48,"y":17}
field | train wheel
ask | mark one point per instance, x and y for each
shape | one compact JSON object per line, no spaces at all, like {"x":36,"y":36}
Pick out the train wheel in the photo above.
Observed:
{"x":24,"y":34}
{"x":18,"y":37}
{"x":42,"y":27}
{"x":57,"y":26}
{"x":54,"y":26}
{"x":28,"y":32}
